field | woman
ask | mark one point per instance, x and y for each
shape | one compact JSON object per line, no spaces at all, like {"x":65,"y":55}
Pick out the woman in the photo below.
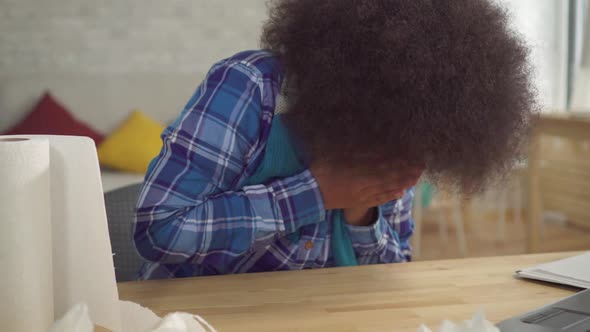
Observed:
{"x":304,"y":154}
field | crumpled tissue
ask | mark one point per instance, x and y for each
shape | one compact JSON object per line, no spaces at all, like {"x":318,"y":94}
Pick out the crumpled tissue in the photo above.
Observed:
{"x":77,"y":319}
{"x":477,"y":324}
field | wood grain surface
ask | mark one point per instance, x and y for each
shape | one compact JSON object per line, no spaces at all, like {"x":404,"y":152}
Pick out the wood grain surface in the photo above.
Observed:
{"x":393,"y":297}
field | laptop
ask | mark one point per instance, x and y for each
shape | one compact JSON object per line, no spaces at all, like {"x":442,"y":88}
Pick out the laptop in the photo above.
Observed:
{"x":571,"y":314}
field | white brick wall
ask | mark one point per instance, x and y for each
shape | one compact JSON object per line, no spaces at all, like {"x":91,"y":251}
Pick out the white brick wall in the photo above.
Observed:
{"x":103,"y":58}
{"x":120,"y":36}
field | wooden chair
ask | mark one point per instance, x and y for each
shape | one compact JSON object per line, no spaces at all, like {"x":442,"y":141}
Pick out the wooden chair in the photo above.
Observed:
{"x":445,"y":209}
{"x":558,"y":173}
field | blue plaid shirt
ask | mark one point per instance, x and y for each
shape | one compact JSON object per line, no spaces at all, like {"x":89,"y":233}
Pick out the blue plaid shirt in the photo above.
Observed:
{"x":194,"y":215}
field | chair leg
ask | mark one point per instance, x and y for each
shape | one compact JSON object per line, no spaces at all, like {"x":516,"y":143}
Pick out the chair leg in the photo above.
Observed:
{"x":534,"y":208}
{"x":517,"y":203}
{"x":541,"y":223}
{"x":476,"y":210}
{"x":501,"y":211}
{"x":457,"y":217}
{"x":443,"y":230}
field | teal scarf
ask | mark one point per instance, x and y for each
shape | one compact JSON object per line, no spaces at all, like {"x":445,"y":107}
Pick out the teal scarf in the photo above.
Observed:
{"x":281,"y":160}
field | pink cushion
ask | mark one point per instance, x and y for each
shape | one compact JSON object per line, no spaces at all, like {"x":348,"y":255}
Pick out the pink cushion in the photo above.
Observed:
{"x":49,"y":117}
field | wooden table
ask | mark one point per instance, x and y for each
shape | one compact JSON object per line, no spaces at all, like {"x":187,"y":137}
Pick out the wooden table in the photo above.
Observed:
{"x":394,"y":297}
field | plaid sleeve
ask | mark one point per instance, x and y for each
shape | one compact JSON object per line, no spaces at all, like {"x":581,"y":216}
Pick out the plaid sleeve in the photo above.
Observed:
{"x":387,"y":240}
{"x":191,"y":209}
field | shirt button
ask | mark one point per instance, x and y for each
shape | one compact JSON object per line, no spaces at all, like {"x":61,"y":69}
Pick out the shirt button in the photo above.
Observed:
{"x":308,"y":245}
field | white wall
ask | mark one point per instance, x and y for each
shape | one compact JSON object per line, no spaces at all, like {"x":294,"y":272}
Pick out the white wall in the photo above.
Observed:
{"x":124,"y":36}
{"x":543,"y":23}
{"x":104,"y":57}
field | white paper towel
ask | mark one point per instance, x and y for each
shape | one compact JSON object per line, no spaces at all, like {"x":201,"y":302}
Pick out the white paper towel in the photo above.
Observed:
{"x":82,"y":256}
{"x":478,"y":323}
{"x":53,"y":216}
{"x":75,"y":320}
{"x":80,"y":252}
{"x":140,"y":319}
{"x":26,"y":291}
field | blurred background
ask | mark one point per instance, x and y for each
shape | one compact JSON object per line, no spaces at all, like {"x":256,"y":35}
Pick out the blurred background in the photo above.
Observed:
{"x":118,"y":71}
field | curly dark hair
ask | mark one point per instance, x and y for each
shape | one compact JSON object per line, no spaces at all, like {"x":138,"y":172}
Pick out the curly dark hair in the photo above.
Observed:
{"x":442,"y":82}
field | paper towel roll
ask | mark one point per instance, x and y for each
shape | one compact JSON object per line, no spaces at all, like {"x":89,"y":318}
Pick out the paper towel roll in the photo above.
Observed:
{"x":51,"y":191}
{"x":82,"y":256}
{"x":26,"y":292}
{"x":83,"y":269}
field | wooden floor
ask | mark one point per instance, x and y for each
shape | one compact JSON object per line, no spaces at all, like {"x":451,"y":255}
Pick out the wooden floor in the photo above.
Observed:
{"x":483,"y":239}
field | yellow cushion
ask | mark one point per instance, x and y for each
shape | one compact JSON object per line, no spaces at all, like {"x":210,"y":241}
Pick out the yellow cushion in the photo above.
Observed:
{"x":133,"y":145}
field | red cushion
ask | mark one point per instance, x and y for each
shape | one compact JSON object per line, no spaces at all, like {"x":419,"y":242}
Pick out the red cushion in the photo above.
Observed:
{"x":49,"y":117}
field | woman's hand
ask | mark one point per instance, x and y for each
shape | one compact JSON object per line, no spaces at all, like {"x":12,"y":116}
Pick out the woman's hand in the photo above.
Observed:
{"x":357,"y":189}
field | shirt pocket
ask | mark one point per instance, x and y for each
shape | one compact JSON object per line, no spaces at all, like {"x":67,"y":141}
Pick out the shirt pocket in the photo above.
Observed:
{"x":309,"y":248}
